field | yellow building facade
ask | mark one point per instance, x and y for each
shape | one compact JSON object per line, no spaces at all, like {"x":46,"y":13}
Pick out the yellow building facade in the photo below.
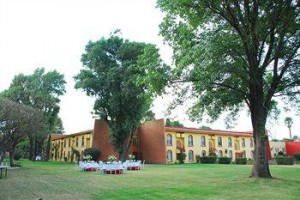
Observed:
{"x":199,"y":142}
{"x":62,"y":145}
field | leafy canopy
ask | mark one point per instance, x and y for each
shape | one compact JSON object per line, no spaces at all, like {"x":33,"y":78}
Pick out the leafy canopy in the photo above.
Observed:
{"x":124,"y":77}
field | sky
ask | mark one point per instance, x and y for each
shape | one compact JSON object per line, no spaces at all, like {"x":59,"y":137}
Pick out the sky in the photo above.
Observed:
{"x":53,"y":34}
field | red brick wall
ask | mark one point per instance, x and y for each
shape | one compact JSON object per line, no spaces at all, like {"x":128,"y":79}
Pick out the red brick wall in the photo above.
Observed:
{"x":152,"y":142}
{"x":101,"y":139}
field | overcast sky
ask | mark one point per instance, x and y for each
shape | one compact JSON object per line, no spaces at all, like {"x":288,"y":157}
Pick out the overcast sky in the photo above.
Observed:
{"x":53,"y":34}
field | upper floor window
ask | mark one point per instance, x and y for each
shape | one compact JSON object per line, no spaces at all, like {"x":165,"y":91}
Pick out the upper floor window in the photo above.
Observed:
{"x":169,"y":155}
{"x":190,"y":140}
{"x":243,"y":142}
{"x":191,"y":155}
{"x":69,"y":142}
{"x":169,"y":139}
{"x":82,"y":141}
{"x":203,"y":141}
{"x":65,"y":142}
{"x":219,"y":141}
{"x":229,"y":142}
{"x":77,"y":142}
{"x":251,"y":142}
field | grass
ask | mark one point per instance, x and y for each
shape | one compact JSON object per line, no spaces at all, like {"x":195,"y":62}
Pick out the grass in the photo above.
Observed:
{"x":58,"y":180}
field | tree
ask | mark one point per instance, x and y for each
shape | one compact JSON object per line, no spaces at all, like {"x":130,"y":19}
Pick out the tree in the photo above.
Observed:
{"x":40,"y":90}
{"x":289,"y":122}
{"x":236,"y":54}
{"x":173,"y":123}
{"x":16,"y":122}
{"x":118,"y":74}
{"x":205,"y":128}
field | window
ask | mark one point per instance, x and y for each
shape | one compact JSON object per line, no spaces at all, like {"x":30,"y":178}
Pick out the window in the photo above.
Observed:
{"x":244,"y":154}
{"x":191,"y":155}
{"x":202,"y":141}
{"x":229,"y":142}
{"x":65,"y":142}
{"x":169,"y":155}
{"x":243,"y":142}
{"x":169,"y":139}
{"x":82,"y":141}
{"x":251,"y":142}
{"x":230,"y":154}
{"x":219,"y":141}
{"x":203,"y":153}
{"x":190,"y":140}
{"x":220,"y":153}
{"x":69,"y":142}
{"x":251,"y":154}
{"x":77,"y":142}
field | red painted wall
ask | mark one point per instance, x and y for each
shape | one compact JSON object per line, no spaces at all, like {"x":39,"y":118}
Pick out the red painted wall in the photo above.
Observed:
{"x":152,"y":142}
{"x":292,"y":148}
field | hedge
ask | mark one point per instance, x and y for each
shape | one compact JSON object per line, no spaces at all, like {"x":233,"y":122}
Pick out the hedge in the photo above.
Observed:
{"x":297,"y":156}
{"x":241,"y":161}
{"x":224,"y":160}
{"x":208,"y":159}
{"x":284,"y":160}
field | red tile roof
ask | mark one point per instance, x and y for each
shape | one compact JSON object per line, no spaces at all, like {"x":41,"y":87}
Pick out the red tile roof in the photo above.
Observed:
{"x":209,"y":132}
{"x":61,"y":136}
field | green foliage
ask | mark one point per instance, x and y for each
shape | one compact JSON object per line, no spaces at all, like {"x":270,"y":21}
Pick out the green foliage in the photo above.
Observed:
{"x":236,"y":56}
{"x":224,"y":160}
{"x":208,"y":159}
{"x":18,"y":155}
{"x":173,"y":123}
{"x":212,"y":152}
{"x":198,"y":158}
{"x":94,"y":152}
{"x":74,"y":152}
{"x":241,"y":161}
{"x":181,"y":158}
{"x":124,"y":77}
{"x":297,"y":156}
{"x":284,"y":160}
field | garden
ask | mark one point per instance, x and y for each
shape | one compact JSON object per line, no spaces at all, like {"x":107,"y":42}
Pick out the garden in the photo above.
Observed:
{"x":61,"y":180}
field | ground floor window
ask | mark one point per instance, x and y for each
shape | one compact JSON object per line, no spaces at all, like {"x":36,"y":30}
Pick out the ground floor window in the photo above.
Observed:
{"x":220,"y":153}
{"x":169,"y":155}
{"x":203,"y":153}
{"x":191,"y":155}
{"x":230,"y":154}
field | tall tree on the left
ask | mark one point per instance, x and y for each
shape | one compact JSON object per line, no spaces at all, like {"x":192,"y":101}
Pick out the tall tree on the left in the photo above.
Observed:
{"x":16,"y":122}
{"x":41,"y":90}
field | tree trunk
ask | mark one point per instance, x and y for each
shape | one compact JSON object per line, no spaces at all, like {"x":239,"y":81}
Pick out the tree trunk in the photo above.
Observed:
{"x":48,"y":148}
{"x":259,"y":115}
{"x":11,"y":156}
{"x":31,"y":148}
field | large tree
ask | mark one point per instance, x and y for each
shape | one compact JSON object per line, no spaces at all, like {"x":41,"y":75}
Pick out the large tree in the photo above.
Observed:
{"x":237,"y":53}
{"x":17,"y":121}
{"x":41,"y":90}
{"x":117,"y":72}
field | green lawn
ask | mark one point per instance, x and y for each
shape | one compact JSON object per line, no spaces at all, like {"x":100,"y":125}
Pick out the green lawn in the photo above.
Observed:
{"x":57,"y":180}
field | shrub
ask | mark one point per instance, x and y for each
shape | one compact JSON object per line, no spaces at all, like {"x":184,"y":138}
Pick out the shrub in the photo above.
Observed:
{"x":241,"y":161}
{"x":284,"y":160}
{"x":297,"y":156}
{"x":18,"y":155}
{"x":224,"y":160}
{"x":198,"y":157}
{"x":181,"y":157}
{"x":94,"y":152}
{"x":208,"y":159}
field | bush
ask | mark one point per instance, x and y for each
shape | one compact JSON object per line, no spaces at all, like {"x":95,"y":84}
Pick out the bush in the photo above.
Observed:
{"x":94,"y":152}
{"x":181,"y":157}
{"x":297,"y":156}
{"x":241,"y":161}
{"x":208,"y":159}
{"x":18,"y":155}
{"x":198,"y":158}
{"x":224,"y":160}
{"x":284,"y":160}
